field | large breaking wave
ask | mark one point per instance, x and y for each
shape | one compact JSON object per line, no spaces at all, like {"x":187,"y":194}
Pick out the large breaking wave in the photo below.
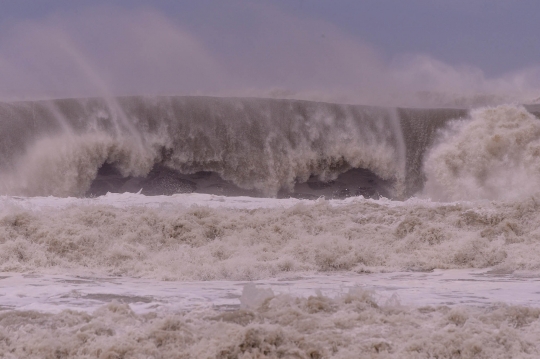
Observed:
{"x":264,"y":147}
{"x":258,"y":147}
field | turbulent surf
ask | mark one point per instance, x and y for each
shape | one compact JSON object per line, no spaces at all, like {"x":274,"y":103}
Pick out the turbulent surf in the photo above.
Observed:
{"x":192,"y":190}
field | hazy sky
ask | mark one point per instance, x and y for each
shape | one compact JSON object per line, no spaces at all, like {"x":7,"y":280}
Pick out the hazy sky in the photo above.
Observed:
{"x":354,"y":50}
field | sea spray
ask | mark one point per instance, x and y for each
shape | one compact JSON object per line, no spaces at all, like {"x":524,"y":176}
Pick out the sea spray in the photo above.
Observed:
{"x":494,"y":154}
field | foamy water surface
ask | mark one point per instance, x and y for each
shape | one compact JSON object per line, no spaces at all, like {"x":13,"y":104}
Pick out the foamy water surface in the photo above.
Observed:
{"x":84,"y":290}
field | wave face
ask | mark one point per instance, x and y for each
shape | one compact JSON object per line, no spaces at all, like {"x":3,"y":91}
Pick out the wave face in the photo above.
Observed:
{"x":231,"y":146}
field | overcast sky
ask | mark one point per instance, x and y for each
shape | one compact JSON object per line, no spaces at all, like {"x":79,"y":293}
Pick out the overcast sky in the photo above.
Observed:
{"x":358,"y":51}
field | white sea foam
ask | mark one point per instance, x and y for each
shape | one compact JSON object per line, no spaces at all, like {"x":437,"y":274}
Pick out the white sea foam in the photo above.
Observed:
{"x":174,"y":239}
{"x":353,"y":325}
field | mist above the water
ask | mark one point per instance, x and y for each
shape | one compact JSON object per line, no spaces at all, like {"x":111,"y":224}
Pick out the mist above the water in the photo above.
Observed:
{"x":239,"y":49}
{"x":102,"y":52}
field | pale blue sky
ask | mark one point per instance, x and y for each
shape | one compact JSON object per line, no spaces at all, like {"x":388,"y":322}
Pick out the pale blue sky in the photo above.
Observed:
{"x":310,"y":46}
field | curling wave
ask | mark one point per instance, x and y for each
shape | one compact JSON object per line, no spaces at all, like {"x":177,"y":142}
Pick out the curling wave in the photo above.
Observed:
{"x":260,"y":147}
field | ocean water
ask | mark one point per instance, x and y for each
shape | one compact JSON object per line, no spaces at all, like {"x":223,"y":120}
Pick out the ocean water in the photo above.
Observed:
{"x":199,"y":227}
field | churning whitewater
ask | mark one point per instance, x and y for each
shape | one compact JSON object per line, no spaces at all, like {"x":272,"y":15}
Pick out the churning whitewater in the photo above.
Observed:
{"x":188,"y":189}
{"x":166,"y":239}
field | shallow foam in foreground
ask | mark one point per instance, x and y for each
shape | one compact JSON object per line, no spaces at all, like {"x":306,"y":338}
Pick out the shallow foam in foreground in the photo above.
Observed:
{"x":350,"y":326}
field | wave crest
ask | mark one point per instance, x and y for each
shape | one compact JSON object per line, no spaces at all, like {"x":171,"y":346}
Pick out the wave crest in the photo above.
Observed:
{"x":495,"y":155}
